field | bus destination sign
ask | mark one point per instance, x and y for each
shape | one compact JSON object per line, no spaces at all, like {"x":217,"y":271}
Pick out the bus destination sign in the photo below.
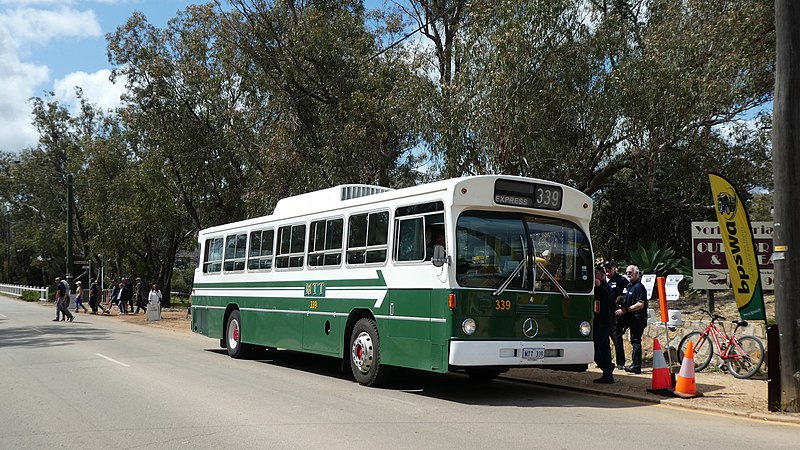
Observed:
{"x":528,"y":195}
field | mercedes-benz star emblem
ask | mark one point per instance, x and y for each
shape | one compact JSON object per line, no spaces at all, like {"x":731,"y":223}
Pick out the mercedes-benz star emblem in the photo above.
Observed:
{"x":530,"y":327}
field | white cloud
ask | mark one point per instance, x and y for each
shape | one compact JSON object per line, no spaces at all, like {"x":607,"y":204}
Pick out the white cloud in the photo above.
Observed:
{"x":26,"y":27}
{"x":96,"y":88}
{"x":22,"y":31}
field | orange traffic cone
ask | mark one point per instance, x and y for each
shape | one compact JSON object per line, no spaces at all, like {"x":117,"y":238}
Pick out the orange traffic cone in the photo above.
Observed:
{"x":662,"y":379}
{"x":685,"y":385}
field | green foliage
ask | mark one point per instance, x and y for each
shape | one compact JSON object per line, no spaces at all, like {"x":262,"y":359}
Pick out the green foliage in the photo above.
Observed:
{"x":183,"y":279}
{"x":759,"y":208}
{"x":661,"y":261}
{"x":30,"y":296}
{"x":228,"y":110}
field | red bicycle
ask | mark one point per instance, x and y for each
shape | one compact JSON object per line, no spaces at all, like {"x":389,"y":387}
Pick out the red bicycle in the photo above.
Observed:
{"x":742,"y":355}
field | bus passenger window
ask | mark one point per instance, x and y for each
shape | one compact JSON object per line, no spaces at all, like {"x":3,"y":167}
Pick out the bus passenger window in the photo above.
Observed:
{"x":367,"y":239}
{"x":212,"y":261}
{"x":260,"y":256}
{"x":235,"y":248}
{"x":291,"y":247}
{"x":325,"y":243}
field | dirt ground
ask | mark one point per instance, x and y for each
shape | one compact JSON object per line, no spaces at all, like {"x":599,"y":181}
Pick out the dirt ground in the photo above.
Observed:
{"x":721,"y":391}
{"x":175,"y":320}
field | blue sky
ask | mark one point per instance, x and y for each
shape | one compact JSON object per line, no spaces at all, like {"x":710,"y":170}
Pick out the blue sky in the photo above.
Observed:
{"x":54,"y":45}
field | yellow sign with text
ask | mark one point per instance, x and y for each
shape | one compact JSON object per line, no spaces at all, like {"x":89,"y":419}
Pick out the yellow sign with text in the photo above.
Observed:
{"x":737,"y":238}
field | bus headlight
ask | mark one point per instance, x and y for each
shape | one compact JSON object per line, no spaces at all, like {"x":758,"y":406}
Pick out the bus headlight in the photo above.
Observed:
{"x":585,"y":328}
{"x":468,"y":326}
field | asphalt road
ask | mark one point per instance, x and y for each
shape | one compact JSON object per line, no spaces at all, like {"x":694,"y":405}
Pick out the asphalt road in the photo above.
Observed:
{"x":102,"y":383}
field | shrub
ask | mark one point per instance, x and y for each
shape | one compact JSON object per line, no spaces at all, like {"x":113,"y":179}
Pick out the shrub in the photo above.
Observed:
{"x":660,"y":261}
{"x":30,"y":296}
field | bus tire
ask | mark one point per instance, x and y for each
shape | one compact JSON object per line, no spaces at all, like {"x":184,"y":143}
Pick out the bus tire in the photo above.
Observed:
{"x":233,"y":336}
{"x":365,"y":354}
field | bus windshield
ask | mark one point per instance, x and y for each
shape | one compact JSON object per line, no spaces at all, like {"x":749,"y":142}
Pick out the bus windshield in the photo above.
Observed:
{"x":489,"y":247}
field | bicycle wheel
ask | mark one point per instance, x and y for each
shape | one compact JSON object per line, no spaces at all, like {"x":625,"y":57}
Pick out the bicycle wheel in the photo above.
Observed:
{"x":703,"y":350}
{"x":746,"y":357}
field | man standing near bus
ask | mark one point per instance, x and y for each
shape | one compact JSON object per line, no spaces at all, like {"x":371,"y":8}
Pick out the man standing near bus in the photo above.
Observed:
{"x":635,"y":308}
{"x":601,"y":325}
{"x":616,"y":284}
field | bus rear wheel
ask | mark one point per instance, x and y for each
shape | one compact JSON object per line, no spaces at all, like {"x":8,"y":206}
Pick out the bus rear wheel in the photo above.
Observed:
{"x":365,"y":354}
{"x":233,"y":336}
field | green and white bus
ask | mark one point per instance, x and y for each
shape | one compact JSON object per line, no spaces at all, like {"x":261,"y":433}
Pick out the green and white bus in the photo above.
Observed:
{"x":477,"y":274}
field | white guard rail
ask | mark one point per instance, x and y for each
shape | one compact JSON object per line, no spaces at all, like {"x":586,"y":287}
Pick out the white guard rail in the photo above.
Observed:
{"x":16,"y":290}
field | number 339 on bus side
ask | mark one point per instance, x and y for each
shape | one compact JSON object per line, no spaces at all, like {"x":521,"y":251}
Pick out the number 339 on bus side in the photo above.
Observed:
{"x":502,"y":305}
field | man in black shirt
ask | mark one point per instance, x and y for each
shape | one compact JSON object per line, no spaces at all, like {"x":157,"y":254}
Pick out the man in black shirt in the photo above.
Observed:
{"x":616,"y":284}
{"x":635,"y":310}
{"x":603,"y":313}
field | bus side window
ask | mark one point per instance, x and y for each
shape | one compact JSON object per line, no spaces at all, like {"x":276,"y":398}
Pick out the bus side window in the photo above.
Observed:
{"x":291,"y":246}
{"x":325,"y":243}
{"x":212,"y":261}
{"x":367,"y":238}
{"x":410,"y":239}
{"x":235,"y":248}
{"x":260,"y":255}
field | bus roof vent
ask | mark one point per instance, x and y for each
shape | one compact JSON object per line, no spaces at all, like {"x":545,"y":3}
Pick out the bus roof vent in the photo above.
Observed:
{"x":350,"y":191}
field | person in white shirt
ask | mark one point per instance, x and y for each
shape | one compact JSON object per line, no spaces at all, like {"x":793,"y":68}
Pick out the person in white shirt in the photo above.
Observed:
{"x":154,"y":298}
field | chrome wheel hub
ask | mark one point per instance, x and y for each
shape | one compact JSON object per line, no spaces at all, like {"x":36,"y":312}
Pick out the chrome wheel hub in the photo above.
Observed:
{"x":233,"y":334}
{"x":362,"y":352}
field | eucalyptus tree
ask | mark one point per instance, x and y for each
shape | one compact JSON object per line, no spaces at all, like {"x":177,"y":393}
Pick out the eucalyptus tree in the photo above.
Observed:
{"x":338,"y":107}
{"x":185,"y":126}
{"x":36,"y":189}
{"x":639,"y":96}
{"x":184,"y":108}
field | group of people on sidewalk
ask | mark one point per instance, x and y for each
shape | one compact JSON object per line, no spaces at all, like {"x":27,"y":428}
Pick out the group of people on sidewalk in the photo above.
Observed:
{"x":122,"y":295}
{"x":620,"y":304}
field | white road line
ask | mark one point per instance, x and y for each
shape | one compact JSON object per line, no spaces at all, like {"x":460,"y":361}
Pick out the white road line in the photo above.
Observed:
{"x":112,"y":360}
{"x":4,"y":317}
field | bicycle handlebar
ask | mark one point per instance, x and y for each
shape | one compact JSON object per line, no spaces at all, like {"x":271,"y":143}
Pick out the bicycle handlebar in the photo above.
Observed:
{"x":714,"y":317}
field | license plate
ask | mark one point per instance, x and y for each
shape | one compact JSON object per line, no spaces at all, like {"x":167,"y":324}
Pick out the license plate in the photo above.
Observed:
{"x":533,"y":353}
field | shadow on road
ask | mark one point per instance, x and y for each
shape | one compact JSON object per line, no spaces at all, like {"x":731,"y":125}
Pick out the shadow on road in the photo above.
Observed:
{"x":453,"y":387}
{"x":57,"y":334}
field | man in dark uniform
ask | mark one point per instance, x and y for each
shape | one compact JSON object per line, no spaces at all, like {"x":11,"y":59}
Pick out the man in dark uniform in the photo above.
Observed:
{"x":603,"y":312}
{"x":635,"y":309}
{"x":616,"y":284}
{"x":127,"y":295}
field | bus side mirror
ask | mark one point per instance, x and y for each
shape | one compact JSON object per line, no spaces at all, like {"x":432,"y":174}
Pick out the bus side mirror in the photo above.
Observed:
{"x":439,"y":256}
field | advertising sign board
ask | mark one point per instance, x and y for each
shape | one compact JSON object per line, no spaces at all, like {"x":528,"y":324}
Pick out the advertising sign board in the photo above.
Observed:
{"x":710,"y":268}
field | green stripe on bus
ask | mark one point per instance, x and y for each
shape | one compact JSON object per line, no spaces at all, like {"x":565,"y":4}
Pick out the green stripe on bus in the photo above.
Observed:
{"x":365,"y":282}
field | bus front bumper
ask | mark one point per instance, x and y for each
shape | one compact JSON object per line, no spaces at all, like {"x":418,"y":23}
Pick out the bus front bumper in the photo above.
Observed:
{"x":520,"y":353}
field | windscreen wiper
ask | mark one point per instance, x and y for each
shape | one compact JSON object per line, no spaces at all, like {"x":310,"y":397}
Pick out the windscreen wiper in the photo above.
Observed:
{"x":553,"y":279}
{"x":515,"y":272}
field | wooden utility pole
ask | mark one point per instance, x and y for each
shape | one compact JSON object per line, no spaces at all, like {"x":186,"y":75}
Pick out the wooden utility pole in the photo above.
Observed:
{"x":786,"y":169}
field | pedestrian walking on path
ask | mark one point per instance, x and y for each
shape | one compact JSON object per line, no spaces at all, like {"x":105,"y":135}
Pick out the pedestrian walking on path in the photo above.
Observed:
{"x":62,"y":301}
{"x":79,"y":298}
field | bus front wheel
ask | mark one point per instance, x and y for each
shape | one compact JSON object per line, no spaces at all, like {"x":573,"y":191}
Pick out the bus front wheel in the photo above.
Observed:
{"x":365,"y":354}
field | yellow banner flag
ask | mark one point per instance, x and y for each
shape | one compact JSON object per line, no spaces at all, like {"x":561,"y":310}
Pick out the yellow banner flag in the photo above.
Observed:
{"x":740,"y":252}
